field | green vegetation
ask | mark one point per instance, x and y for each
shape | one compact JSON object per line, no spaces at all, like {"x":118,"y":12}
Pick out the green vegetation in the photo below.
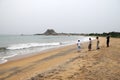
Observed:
{"x":112,"y":34}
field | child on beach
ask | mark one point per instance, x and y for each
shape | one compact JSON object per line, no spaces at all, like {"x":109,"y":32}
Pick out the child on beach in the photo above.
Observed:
{"x":97,"y":46}
{"x":90,"y":45}
{"x":78,"y":45}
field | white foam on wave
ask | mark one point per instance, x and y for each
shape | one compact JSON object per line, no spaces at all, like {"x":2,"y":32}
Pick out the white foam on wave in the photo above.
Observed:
{"x":9,"y":56}
{"x":3,"y":61}
{"x":22,"y":49}
{"x":29,"y":45}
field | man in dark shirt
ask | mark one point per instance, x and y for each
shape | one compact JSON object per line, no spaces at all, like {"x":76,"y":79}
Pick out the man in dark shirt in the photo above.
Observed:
{"x":108,"y":40}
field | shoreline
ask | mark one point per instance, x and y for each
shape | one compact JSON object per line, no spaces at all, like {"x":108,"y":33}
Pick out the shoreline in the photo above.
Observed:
{"x":22,"y":56}
{"x":27,"y":62}
{"x":66,"y":63}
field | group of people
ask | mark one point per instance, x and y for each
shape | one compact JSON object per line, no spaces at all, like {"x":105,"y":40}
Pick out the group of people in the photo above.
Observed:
{"x":97,"y":43}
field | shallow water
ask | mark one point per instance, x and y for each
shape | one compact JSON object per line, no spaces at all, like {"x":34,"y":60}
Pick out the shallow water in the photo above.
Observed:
{"x":16,"y":45}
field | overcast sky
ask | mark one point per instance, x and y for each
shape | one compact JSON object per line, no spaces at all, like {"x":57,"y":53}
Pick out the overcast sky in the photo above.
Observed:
{"x":74,"y":16}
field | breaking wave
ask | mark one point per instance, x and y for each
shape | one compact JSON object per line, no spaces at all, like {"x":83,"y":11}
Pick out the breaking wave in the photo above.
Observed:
{"x":30,"y":45}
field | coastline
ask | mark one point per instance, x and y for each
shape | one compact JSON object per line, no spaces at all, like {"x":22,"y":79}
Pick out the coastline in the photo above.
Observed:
{"x":24,"y":56}
{"x":18,"y":45}
{"x":67,"y":64}
{"x":16,"y":56}
{"x":5,"y":68}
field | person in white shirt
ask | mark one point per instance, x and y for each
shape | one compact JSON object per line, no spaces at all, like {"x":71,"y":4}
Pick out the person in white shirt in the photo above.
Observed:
{"x":79,"y":45}
{"x":97,"y":46}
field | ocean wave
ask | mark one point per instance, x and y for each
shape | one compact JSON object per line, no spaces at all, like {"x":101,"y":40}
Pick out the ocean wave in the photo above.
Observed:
{"x":29,"y":45}
{"x":2,"y":61}
{"x":14,"y":50}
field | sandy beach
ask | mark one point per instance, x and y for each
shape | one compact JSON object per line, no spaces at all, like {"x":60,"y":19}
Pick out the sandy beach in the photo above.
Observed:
{"x":65,"y":63}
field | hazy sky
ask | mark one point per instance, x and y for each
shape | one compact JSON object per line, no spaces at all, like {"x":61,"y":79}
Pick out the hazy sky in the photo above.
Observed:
{"x":78,"y":16}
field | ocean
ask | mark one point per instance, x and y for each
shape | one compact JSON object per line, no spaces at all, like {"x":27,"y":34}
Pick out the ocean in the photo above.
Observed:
{"x":17,"y":45}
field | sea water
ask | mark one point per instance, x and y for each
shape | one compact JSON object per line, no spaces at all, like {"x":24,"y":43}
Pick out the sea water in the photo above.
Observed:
{"x":17,"y":45}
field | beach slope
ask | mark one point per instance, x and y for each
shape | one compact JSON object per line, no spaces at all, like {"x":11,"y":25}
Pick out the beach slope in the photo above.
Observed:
{"x":66,"y":63}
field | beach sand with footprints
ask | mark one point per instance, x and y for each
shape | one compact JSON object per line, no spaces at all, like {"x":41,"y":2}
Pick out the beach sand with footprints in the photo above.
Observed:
{"x":65,"y":63}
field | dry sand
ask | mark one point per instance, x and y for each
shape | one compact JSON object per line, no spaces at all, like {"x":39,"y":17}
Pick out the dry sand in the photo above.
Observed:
{"x":66,"y":63}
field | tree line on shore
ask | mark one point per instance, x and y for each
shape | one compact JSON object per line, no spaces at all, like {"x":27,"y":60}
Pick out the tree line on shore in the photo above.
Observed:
{"x":112,"y":34}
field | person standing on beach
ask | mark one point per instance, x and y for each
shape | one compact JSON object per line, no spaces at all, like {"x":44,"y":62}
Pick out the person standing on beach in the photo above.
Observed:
{"x":97,"y":46}
{"x":90,"y":45}
{"x":78,"y":45}
{"x":108,"y":40}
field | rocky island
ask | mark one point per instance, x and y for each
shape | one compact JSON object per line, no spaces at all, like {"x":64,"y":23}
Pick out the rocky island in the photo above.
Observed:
{"x":53,"y":32}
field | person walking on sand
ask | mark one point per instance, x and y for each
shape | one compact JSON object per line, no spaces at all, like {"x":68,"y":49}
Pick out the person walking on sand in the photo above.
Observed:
{"x":90,"y":45}
{"x":97,"y":46}
{"x":78,"y":45}
{"x":108,"y":40}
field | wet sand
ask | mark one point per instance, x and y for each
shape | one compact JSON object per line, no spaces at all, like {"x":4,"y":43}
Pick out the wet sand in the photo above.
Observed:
{"x":66,"y":63}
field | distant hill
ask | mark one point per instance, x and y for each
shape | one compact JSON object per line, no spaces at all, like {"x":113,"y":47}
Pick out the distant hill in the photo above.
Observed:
{"x":50,"y":32}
